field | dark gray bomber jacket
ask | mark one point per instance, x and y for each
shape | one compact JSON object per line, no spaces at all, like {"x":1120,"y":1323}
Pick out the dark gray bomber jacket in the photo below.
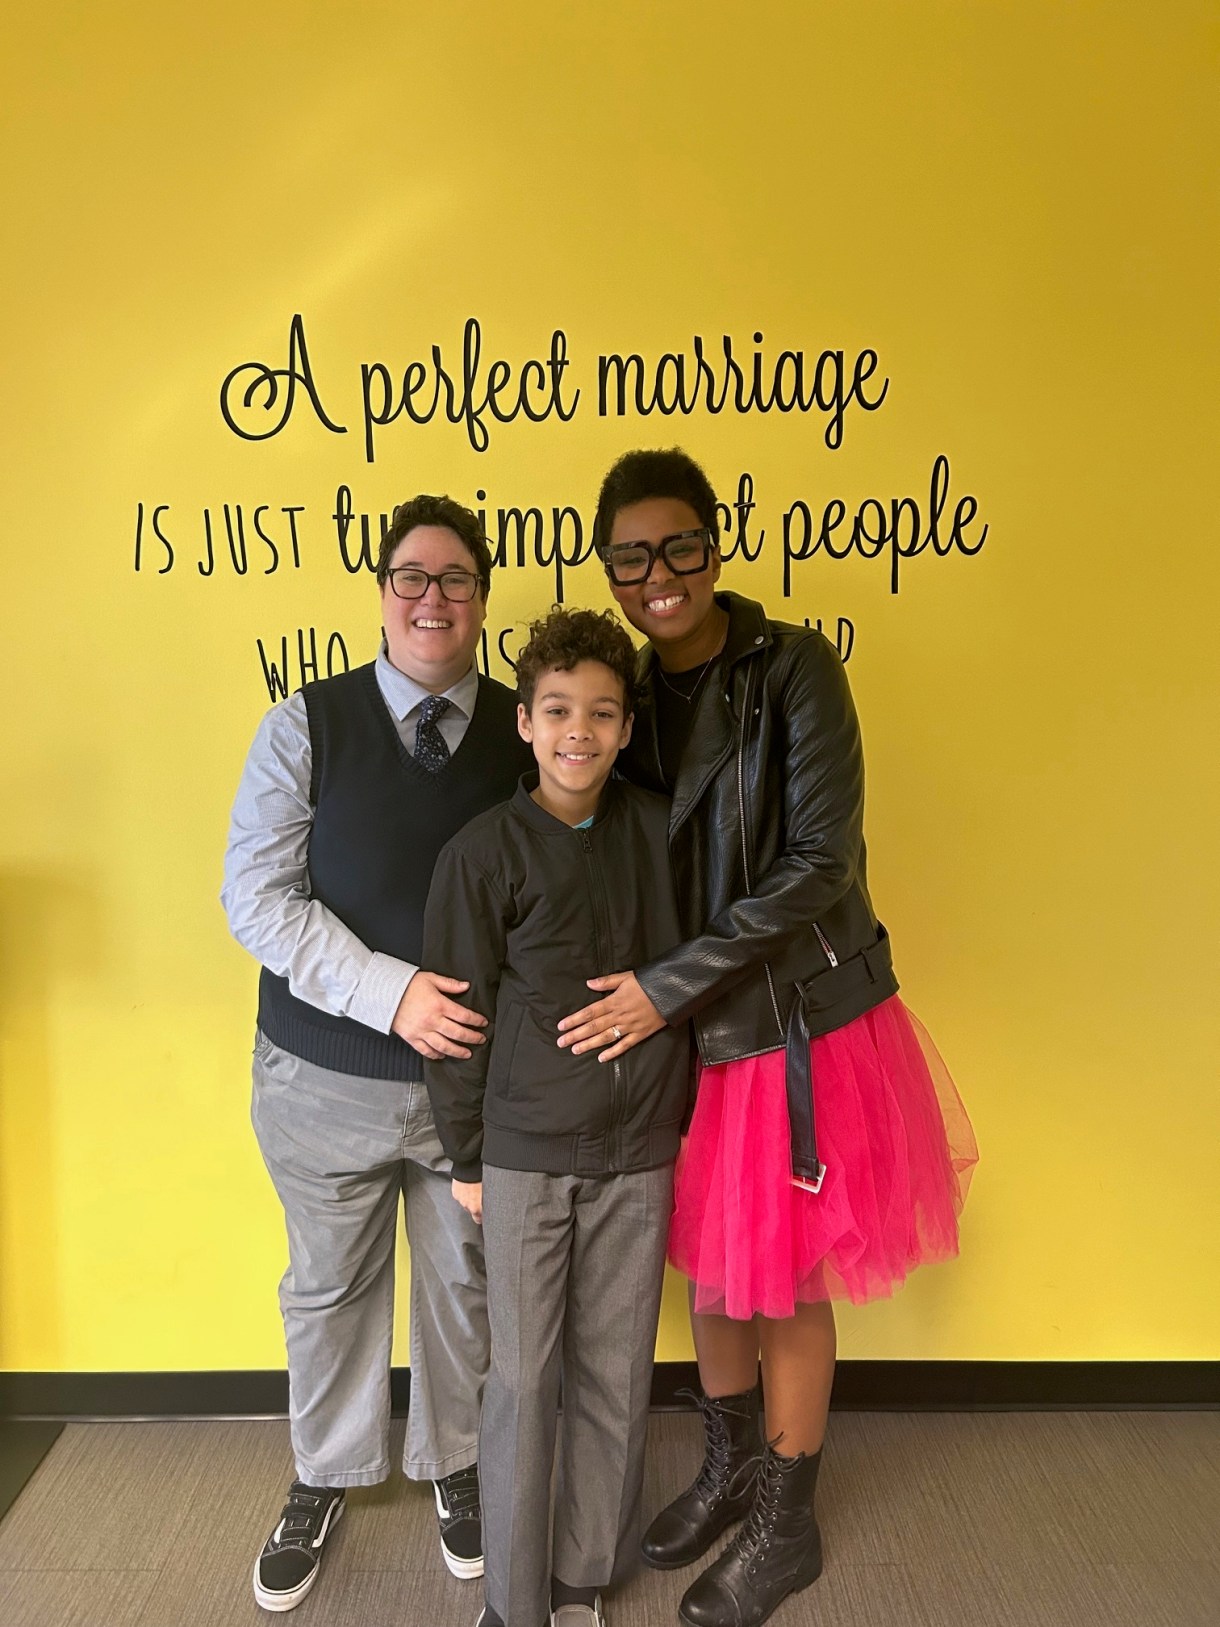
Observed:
{"x":527,"y":908}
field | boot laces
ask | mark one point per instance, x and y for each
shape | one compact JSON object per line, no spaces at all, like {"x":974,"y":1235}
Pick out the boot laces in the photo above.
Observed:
{"x":713,"y":1473}
{"x":759,"y":1525}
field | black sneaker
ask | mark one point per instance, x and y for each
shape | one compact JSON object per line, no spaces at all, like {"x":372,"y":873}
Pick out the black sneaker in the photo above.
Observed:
{"x":457,"y":1509}
{"x":288,"y":1566}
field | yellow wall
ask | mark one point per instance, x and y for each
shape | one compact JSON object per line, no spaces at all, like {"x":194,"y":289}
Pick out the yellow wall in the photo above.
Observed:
{"x":1013,"y":205}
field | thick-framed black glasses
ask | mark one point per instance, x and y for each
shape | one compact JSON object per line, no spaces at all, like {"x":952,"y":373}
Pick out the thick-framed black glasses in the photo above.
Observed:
{"x":459,"y":587}
{"x":686,"y":553}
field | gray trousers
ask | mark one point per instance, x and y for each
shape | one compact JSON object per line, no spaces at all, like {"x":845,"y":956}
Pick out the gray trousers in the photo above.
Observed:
{"x":574,"y":1271}
{"x":340,"y":1151}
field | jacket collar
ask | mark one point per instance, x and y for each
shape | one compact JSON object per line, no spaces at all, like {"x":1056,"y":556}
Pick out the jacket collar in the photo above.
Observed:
{"x":526,"y":808}
{"x":749,"y":630}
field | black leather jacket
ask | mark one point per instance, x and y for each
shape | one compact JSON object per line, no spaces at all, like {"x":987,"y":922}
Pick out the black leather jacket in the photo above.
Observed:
{"x":766,"y":840}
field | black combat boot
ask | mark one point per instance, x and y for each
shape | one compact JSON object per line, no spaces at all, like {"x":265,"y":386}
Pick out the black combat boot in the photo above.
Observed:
{"x":723,"y":1488}
{"x":778,"y":1550}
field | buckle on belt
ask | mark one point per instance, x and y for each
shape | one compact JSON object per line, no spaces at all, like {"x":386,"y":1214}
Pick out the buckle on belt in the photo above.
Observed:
{"x":811,"y":1184}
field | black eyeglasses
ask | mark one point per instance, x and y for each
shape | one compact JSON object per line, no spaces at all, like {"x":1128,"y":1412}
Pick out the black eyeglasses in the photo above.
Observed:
{"x":459,"y":587}
{"x":686,"y":553}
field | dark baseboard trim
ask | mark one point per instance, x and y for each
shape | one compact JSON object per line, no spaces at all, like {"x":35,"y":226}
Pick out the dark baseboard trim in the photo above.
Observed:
{"x":23,"y":1445}
{"x":860,"y":1386}
{"x":993,"y":1386}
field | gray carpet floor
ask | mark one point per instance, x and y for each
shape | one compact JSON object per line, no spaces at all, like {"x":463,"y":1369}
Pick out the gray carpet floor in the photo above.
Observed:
{"x":982,"y":1519}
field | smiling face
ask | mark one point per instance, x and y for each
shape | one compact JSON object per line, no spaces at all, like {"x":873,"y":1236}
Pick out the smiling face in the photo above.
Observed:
{"x":677,"y":614}
{"x":432,"y":639}
{"x":577,"y":728}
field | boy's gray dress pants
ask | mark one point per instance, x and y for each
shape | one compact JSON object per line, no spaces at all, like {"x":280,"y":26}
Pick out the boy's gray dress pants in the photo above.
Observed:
{"x":341,"y":1150}
{"x":574,"y":1272}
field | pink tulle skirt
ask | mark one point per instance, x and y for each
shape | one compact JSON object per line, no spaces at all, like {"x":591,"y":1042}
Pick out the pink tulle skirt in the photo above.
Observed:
{"x":898,"y":1148}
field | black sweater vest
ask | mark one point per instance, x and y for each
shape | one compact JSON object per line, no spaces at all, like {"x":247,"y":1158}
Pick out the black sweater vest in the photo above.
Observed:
{"x":379,"y":822}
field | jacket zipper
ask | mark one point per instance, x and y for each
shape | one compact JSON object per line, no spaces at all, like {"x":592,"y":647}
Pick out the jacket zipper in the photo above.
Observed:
{"x":741,"y":816}
{"x":595,"y":888}
{"x":825,"y":943}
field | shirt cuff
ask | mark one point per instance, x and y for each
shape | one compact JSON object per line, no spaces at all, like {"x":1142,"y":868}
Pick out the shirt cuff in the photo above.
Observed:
{"x":380,"y":990}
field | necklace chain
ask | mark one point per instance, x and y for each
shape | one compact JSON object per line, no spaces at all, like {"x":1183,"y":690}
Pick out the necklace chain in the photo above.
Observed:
{"x":698,"y":684}
{"x":706,"y":668}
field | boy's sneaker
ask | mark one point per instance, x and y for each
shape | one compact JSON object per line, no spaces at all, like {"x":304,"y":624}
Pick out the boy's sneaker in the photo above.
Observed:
{"x":288,"y":1566}
{"x":579,"y":1615}
{"x":461,"y":1522}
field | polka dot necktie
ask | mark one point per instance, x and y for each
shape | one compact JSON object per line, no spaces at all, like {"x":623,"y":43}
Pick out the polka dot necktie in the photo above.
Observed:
{"x":431,"y":752}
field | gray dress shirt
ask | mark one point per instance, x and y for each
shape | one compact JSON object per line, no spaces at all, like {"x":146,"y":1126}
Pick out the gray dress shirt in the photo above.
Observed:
{"x":266,"y":876}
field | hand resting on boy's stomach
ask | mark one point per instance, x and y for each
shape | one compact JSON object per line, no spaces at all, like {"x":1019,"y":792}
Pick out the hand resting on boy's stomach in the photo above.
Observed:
{"x":627,"y":1008}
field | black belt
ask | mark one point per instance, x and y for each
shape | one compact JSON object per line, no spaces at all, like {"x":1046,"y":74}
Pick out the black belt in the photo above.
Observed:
{"x":808,"y":1170}
{"x":827,"y":989}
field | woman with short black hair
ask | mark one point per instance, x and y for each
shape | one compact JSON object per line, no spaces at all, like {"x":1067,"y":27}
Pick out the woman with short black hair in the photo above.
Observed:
{"x":829,"y":1153}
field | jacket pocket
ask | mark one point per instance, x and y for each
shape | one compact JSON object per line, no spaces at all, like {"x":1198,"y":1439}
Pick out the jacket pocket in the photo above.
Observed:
{"x":539,"y":1089}
{"x":503,"y":1047}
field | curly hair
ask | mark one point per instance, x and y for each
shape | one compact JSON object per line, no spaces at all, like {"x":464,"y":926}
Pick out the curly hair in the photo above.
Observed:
{"x":428,"y":510}
{"x":637,"y":476}
{"x":563,"y":639}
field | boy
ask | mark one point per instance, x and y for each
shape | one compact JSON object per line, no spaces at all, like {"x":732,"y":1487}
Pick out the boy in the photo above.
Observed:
{"x":568,"y":1162}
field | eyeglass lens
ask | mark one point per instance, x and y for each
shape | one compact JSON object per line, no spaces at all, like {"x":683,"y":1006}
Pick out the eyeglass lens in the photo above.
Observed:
{"x":457,"y":586}
{"x":685,"y":554}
